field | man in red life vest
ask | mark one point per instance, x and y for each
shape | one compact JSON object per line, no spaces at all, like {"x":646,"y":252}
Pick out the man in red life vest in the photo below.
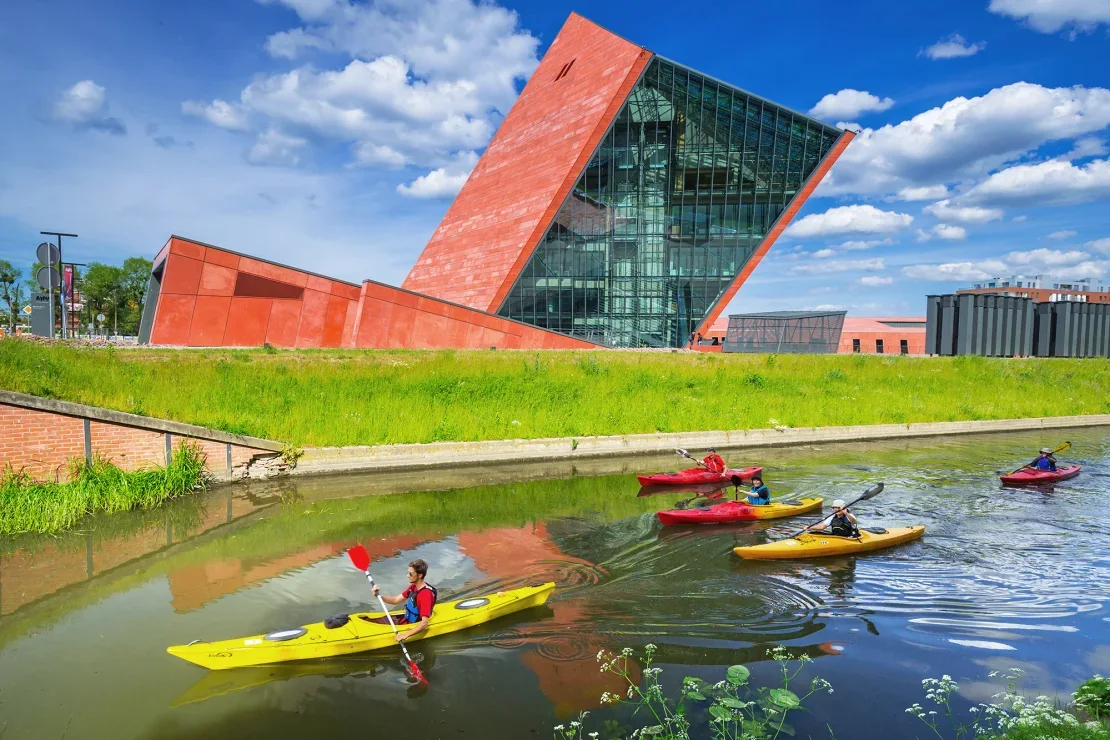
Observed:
{"x":419,"y":598}
{"x":714,"y":462}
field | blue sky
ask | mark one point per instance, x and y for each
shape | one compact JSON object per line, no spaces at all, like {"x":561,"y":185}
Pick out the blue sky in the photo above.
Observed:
{"x":331,"y":134}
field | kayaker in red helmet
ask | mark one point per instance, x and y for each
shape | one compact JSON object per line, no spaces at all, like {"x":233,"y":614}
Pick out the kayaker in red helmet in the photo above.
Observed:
{"x":419,"y":598}
{"x":714,"y":462}
{"x":1046,"y":461}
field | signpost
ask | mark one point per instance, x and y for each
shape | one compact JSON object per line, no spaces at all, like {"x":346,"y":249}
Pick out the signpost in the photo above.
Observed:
{"x":53,"y":256}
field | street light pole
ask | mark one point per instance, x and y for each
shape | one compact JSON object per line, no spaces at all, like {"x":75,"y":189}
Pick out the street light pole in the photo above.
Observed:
{"x":60,"y":265}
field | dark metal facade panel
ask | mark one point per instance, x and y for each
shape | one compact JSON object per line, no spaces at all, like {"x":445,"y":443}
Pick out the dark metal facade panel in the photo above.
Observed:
{"x":1005,"y":326}
{"x":932,"y":319}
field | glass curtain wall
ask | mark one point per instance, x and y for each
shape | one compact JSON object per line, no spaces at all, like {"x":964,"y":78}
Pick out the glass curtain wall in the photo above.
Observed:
{"x":673,"y":203}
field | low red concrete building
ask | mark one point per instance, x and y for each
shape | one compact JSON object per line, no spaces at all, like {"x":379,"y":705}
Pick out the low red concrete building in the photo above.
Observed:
{"x":883,"y":336}
{"x":880,"y":335}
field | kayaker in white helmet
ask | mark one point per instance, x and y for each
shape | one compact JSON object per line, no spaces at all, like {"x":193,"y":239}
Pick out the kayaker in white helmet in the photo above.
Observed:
{"x":841,"y":524}
{"x":1046,"y":461}
{"x":714,"y":462}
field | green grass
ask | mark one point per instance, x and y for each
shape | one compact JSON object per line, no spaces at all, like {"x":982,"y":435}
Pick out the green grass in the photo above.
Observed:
{"x":27,"y":506}
{"x":365,"y":397}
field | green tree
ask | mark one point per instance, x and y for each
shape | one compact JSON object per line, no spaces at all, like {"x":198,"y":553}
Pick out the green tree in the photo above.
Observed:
{"x":9,"y":280}
{"x":104,"y":290}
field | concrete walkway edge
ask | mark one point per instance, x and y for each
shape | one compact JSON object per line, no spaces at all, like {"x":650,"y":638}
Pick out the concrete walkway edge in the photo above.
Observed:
{"x":318,"y":460}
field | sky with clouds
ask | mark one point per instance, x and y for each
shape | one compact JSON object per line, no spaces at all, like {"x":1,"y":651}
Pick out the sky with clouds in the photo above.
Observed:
{"x":332,"y":134}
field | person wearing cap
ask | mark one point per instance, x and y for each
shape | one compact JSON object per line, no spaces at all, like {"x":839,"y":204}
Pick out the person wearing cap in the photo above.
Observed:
{"x":760,"y":495}
{"x":1046,"y":461}
{"x":714,"y":462}
{"x":841,"y":524}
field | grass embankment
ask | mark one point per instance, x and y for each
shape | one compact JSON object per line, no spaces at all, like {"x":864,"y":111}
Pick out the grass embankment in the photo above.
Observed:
{"x":46,"y":508}
{"x":365,"y":397}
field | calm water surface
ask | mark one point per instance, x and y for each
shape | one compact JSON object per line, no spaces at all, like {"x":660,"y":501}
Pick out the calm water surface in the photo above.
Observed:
{"x":1002,"y":578}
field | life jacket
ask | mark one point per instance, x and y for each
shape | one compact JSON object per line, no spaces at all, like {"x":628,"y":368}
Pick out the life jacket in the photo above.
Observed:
{"x":412,"y":611}
{"x":841,"y":526}
{"x":1045,"y":463}
{"x":759,"y":496}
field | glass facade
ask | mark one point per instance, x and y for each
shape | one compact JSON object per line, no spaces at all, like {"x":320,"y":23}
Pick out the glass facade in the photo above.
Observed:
{"x":676,"y":199}
{"x":787,"y":332}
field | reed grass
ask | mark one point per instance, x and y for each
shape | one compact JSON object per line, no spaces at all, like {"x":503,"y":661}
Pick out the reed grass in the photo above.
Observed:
{"x":29,"y":506}
{"x":366,"y":397}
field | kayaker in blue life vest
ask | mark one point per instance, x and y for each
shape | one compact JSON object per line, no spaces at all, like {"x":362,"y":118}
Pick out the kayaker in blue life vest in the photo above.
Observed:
{"x":841,"y":524}
{"x":760,"y":495}
{"x":419,"y":598}
{"x":1047,"y":461}
{"x":714,"y":462}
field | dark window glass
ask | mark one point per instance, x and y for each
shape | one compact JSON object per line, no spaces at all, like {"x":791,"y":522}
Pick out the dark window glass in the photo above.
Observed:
{"x":878,"y":346}
{"x":670,"y":208}
{"x":855,"y":345}
{"x":904,"y":346}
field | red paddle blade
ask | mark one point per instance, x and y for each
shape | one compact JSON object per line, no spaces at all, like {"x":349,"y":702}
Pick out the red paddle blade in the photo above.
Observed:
{"x":359,"y":557}
{"x":416,"y":673}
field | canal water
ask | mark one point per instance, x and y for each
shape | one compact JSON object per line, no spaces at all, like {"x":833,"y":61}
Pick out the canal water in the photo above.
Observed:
{"x":1003,"y":578}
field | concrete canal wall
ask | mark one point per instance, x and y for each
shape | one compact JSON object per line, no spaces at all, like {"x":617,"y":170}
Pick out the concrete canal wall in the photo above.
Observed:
{"x":452,"y":454}
{"x":40,"y":436}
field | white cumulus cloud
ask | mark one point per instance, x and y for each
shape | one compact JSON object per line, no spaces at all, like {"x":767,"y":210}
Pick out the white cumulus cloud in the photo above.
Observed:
{"x":442,"y":182}
{"x":1051,"y":183}
{"x":854,"y":219}
{"x":946,"y":210}
{"x":953,"y":47}
{"x":858,"y":244}
{"x":1050,"y":16}
{"x":274,"y":147}
{"x":417,"y":82}
{"x":956,"y":271}
{"x":1088,"y":146}
{"x":849,"y":103}
{"x":219,"y":113}
{"x":1058,"y":263}
{"x":85,"y":107}
{"x":827,"y":266}
{"x":966,"y":138}
{"x":873,"y":281}
{"x":927,"y":192}
{"x":950,"y":233}
{"x":1100,"y":245}
{"x":1063,"y":234}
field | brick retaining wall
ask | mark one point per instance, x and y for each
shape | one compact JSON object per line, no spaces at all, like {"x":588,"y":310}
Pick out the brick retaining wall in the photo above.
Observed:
{"x":40,"y":436}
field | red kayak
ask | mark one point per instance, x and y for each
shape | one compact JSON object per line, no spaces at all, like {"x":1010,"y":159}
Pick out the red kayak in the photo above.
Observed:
{"x":697,"y":475}
{"x":1031,"y":475}
{"x":738,"y":511}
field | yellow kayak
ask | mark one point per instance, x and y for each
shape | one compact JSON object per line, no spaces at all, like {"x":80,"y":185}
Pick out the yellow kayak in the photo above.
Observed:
{"x":819,"y":545}
{"x":359,"y":634}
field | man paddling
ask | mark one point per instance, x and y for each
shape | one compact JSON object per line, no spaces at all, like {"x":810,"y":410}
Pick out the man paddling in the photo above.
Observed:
{"x":419,"y":598}
{"x":841,"y":524}
{"x":714,"y":462}
{"x":1046,"y":461}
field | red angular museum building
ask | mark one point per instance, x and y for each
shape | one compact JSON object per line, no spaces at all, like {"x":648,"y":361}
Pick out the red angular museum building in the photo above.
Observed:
{"x":622,"y":203}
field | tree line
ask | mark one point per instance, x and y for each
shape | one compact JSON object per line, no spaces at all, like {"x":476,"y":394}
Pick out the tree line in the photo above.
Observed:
{"x":115,"y":291}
